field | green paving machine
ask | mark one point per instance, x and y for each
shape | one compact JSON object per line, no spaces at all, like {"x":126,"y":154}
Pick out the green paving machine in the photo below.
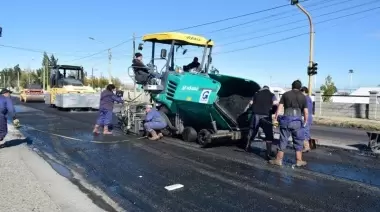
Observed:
{"x":199,"y":105}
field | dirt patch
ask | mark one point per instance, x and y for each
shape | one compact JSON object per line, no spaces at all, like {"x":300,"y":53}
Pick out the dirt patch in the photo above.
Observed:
{"x":348,"y":123}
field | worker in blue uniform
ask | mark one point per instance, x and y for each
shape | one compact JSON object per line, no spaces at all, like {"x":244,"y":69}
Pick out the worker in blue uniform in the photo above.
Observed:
{"x":107,"y":100}
{"x":261,"y":107}
{"x":309,"y":101}
{"x":292,"y":123}
{"x":6,"y":110}
{"x":154,"y":121}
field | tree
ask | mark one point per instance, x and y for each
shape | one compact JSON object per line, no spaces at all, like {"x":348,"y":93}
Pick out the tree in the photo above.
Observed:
{"x":328,"y":89}
{"x":53,"y":61}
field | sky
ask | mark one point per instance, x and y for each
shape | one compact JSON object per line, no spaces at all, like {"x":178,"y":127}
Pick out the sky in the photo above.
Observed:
{"x":265,"y":50}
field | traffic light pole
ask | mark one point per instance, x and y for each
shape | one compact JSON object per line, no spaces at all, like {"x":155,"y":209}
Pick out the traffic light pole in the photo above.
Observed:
{"x":311,"y":50}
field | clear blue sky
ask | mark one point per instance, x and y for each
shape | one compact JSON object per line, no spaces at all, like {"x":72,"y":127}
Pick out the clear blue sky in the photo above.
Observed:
{"x":63,"y":28}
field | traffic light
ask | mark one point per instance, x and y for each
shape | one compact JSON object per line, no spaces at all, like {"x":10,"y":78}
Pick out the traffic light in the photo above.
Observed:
{"x":293,"y":2}
{"x":312,"y":70}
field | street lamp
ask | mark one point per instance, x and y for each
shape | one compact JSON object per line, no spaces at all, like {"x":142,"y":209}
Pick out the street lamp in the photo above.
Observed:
{"x":312,"y":68}
{"x":350,"y":73}
{"x":109,"y":60}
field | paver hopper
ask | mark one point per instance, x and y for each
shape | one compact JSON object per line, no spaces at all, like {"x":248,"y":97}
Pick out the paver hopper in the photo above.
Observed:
{"x":201,"y":106}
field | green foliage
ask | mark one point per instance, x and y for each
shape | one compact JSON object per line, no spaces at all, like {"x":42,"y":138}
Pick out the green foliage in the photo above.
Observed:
{"x":328,"y":89}
{"x":9,"y":76}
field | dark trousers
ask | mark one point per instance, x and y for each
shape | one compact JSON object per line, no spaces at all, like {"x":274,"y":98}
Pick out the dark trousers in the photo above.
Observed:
{"x":263,"y":121}
{"x":296,"y":130}
{"x":3,"y":127}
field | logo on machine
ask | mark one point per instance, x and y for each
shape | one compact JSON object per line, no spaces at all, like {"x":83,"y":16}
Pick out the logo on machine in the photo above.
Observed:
{"x":205,"y":95}
{"x":189,"y":88}
{"x":193,"y":38}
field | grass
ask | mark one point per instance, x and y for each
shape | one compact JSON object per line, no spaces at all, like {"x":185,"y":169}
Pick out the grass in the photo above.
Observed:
{"x":365,"y":124}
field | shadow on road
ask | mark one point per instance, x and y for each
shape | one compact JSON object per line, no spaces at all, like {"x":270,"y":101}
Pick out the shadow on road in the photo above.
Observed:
{"x":361,"y":147}
{"x":16,"y":142}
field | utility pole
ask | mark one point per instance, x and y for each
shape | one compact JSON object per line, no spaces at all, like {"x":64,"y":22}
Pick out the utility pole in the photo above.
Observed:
{"x":350,"y":72}
{"x":270,"y":81}
{"x":133,"y":56}
{"x":109,"y":66}
{"x":312,"y":68}
{"x":18,"y":80}
{"x":92,"y":77}
{"x":44,"y":76}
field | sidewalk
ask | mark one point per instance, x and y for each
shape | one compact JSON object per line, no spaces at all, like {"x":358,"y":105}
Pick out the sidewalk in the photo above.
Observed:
{"x":28,"y":183}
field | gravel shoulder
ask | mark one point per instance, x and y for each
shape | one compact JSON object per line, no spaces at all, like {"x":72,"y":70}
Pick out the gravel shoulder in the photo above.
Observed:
{"x":28,"y":183}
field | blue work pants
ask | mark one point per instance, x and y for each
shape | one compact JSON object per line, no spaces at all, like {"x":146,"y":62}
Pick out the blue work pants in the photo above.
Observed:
{"x":295,"y":129}
{"x":105,"y":117}
{"x":154,"y":125}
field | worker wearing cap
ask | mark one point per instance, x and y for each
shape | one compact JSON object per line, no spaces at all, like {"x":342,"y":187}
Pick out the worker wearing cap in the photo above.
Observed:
{"x":261,"y":106}
{"x":6,"y":109}
{"x":291,"y":123}
{"x":309,"y":101}
{"x":141,"y":71}
{"x":154,"y":121}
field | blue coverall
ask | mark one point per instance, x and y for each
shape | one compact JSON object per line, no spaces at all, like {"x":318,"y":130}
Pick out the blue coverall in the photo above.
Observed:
{"x":310,"y":118}
{"x":154,"y":121}
{"x":107,"y":99}
{"x":6,"y":107}
{"x":291,"y":123}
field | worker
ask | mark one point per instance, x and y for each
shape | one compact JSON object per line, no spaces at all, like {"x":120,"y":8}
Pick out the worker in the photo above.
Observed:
{"x":107,"y":100}
{"x":309,"y":101}
{"x":261,"y":106}
{"x":153,"y":121}
{"x":294,"y":105}
{"x":7,"y":110}
{"x":192,"y":65}
{"x":142,"y":72}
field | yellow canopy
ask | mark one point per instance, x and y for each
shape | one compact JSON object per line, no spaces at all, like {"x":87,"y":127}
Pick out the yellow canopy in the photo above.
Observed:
{"x":180,"y":38}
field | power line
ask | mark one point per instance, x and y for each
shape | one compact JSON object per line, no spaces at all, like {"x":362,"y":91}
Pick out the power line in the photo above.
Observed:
{"x":194,"y":26}
{"x":295,"y":36}
{"x":287,"y":30}
{"x":29,"y":50}
{"x":279,"y":14}
{"x":301,"y":20}
{"x":250,"y":47}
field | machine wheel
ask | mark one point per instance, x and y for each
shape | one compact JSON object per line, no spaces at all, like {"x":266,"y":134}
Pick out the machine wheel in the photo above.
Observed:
{"x":189,"y":134}
{"x":204,"y":137}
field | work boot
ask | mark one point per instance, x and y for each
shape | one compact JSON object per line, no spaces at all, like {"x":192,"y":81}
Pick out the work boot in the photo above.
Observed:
{"x":299,"y":161}
{"x":154,"y":135}
{"x":306,"y":146}
{"x":96,"y":130}
{"x":278,"y":160}
{"x":106,"y":131}
{"x":160,"y":135}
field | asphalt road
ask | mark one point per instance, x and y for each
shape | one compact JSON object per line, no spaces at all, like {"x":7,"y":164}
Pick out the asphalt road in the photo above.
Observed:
{"x":134,"y":172}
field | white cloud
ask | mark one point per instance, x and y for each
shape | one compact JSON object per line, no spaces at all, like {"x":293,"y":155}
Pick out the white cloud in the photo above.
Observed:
{"x":375,"y":35}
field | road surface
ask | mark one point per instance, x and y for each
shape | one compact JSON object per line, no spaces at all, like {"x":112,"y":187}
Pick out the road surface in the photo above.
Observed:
{"x":134,"y":172}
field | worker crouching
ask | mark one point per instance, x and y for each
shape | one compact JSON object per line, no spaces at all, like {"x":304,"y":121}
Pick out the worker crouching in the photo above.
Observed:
{"x":107,"y":100}
{"x":292,"y":123}
{"x":154,"y":121}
